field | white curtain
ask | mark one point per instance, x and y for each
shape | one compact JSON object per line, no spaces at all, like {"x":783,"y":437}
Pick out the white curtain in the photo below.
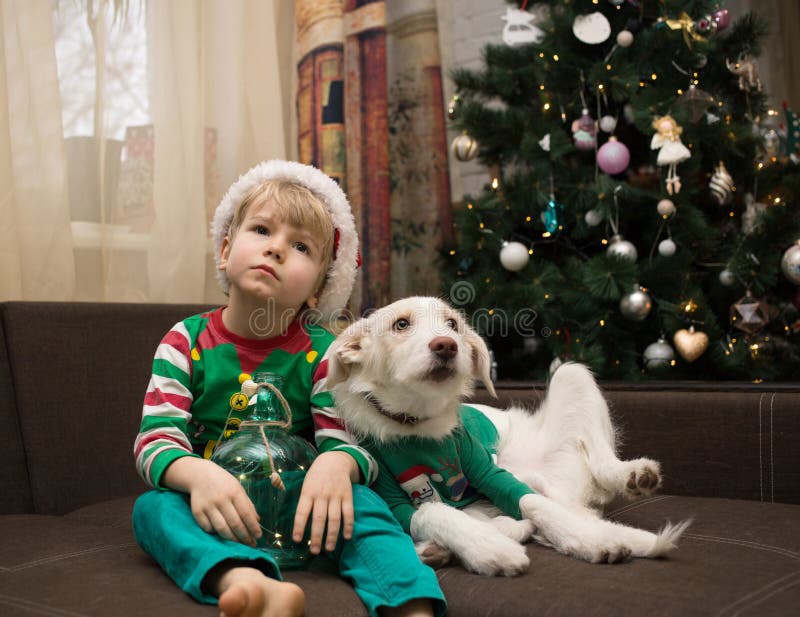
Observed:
{"x":121,"y":125}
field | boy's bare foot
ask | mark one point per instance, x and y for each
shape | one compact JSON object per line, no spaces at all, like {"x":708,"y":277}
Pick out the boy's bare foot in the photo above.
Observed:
{"x":248,"y":592}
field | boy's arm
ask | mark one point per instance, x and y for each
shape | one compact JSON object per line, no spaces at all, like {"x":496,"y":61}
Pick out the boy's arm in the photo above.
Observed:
{"x":330,"y":433}
{"x":162,"y":436}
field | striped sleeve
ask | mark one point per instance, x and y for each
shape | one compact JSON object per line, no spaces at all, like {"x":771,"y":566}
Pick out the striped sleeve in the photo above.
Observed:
{"x":166,"y":412}
{"x":330,"y":432}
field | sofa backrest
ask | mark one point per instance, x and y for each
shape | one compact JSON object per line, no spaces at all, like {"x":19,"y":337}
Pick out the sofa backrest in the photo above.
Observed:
{"x":79,"y":374}
{"x":735,"y":440}
{"x":15,"y":494}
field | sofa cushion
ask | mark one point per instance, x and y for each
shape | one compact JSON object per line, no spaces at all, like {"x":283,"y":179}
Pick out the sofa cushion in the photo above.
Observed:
{"x":92,"y":567}
{"x":80,"y":371}
{"x":16,"y":496}
{"x":736,"y":559}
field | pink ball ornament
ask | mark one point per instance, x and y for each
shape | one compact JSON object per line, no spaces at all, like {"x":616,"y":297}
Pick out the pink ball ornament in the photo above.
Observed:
{"x":613,"y":157}
{"x":723,"y":19}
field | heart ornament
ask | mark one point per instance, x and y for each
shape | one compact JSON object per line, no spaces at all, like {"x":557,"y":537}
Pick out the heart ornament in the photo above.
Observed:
{"x":690,"y":343}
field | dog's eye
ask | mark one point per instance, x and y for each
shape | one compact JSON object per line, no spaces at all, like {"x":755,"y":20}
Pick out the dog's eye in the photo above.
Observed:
{"x":451,"y":323}
{"x":401,"y":324}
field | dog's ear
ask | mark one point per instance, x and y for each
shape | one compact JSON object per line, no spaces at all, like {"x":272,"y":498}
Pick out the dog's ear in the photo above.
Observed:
{"x":481,"y":362}
{"x":343,"y":353}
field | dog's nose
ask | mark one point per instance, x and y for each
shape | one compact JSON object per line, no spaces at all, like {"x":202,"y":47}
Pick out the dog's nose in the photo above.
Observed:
{"x":444,"y":347}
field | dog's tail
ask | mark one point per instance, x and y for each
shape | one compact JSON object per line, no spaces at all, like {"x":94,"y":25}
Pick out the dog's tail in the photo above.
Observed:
{"x":667,"y":538}
{"x":652,"y":545}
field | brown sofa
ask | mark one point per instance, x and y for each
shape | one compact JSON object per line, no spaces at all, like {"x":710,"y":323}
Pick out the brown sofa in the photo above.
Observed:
{"x":72,"y":377}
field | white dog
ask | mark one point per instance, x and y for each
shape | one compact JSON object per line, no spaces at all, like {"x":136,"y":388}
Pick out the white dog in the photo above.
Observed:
{"x":399,"y":376}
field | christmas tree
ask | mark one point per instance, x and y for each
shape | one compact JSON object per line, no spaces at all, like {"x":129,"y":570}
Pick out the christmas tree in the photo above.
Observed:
{"x":642,"y":215}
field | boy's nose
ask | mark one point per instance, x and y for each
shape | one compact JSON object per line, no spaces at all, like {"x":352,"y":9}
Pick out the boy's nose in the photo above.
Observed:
{"x":275,"y":248}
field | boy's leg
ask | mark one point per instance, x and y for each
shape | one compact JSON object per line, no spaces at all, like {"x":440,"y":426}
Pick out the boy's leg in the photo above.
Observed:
{"x":165,"y":528}
{"x":380,"y":559}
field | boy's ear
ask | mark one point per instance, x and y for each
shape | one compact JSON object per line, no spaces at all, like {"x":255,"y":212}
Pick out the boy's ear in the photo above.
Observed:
{"x":345,"y":352}
{"x":224,"y":252}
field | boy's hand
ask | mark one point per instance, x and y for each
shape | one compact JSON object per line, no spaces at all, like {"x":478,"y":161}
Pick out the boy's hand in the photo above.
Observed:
{"x":327,"y":495}
{"x":219,"y":503}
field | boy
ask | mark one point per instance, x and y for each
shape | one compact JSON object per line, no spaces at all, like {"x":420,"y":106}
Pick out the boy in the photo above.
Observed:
{"x":285,"y":242}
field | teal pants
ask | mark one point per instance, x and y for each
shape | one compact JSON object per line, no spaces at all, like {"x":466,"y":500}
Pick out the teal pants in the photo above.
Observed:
{"x":379,"y":560}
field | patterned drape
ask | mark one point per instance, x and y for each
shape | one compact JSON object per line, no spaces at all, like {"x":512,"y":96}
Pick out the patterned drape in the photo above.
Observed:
{"x":375,"y":123}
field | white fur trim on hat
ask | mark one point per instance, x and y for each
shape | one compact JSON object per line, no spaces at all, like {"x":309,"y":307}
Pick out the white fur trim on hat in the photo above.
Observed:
{"x":342,"y":271}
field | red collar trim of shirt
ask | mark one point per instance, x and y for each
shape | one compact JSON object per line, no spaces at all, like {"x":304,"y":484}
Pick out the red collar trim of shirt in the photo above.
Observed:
{"x":276,"y":342}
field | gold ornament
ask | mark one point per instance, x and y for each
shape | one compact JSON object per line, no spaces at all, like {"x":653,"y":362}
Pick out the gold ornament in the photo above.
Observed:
{"x":465,"y":148}
{"x":690,"y":343}
{"x":721,"y":185}
{"x":685,"y":23}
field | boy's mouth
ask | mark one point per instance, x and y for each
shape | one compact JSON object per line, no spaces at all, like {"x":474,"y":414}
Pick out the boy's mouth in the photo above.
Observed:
{"x":267,"y":270}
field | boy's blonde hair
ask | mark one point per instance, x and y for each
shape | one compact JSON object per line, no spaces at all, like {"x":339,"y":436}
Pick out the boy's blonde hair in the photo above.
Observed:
{"x":296,"y":205}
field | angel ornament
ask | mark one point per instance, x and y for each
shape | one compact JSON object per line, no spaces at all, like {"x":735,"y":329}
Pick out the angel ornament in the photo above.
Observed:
{"x":671,"y":150}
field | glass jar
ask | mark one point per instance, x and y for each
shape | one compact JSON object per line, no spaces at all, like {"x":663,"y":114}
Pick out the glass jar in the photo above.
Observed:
{"x":271,"y":464}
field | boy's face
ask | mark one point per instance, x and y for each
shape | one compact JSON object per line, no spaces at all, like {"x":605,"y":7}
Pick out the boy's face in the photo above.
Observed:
{"x":271,"y":260}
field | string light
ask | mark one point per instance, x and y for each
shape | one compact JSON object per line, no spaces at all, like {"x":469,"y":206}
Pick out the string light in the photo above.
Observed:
{"x":555,"y":57}
{"x":546,"y":106}
{"x":452,"y":252}
{"x":495,"y":184}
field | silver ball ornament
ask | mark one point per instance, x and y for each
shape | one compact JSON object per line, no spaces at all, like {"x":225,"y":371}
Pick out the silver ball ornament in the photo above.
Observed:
{"x":666,"y":208}
{"x":636,"y":305}
{"x":514,"y":256}
{"x":727,"y":278}
{"x":593,"y":218}
{"x":790,"y":263}
{"x":620,"y":247}
{"x":667,"y":248}
{"x":658,"y":355}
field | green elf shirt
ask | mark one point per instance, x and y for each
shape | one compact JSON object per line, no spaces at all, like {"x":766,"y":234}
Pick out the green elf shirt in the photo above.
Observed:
{"x":198,"y":370}
{"x":457,"y":470}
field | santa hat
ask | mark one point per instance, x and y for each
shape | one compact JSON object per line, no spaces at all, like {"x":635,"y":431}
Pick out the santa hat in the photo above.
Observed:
{"x":341,"y":274}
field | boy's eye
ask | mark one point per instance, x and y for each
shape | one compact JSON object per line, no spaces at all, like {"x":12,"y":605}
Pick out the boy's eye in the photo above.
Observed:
{"x":451,"y":323}
{"x":261,"y":229}
{"x":303,"y":248}
{"x":401,"y":324}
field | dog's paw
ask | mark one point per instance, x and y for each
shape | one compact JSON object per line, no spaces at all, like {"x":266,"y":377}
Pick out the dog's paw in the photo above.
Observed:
{"x":520,"y":531}
{"x":643,"y":478}
{"x":432,"y":554}
{"x":496,"y":555}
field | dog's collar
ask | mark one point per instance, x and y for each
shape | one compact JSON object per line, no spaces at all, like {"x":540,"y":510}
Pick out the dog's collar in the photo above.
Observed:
{"x":401,"y":418}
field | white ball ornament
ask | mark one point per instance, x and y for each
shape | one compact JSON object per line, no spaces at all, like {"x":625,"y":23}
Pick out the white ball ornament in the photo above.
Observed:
{"x":625,"y":38}
{"x":620,"y":247}
{"x":608,"y":124}
{"x":514,"y":256}
{"x":666,"y":208}
{"x":727,"y":278}
{"x":465,"y":148}
{"x":593,"y":218}
{"x":790,"y":263}
{"x":666,"y":248}
{"x":592,"y":29}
